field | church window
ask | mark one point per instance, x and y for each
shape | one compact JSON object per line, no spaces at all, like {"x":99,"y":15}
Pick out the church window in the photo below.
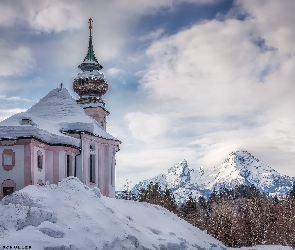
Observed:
{"x":8,"y":159}
{"x":69,"y":163}
{"x":7,"y":187}
{"x":40,"y":162}
{"x":92,"y":169}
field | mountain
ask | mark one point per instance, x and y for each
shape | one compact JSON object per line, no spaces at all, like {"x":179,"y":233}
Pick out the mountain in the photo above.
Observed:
{"x":240,"y":167}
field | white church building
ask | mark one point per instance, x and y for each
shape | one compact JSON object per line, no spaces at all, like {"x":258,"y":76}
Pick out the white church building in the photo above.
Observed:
{"x":60,"y":136}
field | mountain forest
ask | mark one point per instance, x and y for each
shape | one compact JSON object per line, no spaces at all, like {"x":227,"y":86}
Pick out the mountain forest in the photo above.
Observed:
{"x":242,"y":216}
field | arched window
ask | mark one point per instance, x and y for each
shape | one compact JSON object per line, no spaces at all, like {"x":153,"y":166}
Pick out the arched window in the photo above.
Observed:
{"x":40,"y":162}
{"x":7,"y":187}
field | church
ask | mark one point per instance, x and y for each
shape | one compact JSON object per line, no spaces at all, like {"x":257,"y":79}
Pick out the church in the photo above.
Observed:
{"x":60,"y":137}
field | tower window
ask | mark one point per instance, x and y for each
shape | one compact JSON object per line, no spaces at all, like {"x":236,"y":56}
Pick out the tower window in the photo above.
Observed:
{"x":92,"y":169}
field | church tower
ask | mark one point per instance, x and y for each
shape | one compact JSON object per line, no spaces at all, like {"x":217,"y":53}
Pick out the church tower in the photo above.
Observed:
{"x":91,"y":85}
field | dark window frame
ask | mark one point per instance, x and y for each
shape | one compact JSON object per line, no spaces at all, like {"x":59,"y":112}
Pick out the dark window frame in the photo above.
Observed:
{"x":40,"y":161}
{"x":92,"y":168}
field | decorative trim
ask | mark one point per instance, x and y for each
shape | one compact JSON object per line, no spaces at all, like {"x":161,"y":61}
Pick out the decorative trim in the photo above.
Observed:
{"x":8,"y":142}
{"x":11,"y":154}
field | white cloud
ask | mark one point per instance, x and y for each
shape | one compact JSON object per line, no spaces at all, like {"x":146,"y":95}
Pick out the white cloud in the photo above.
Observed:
{"x":5,"y":113}
{"x":274,"y":20}
{"x":60,"y":15}
{"x":14,"y":98}
{"x":15,"y":61}
{"x":114,"y":71}
{"x":153,"y":35}
{"x":232,"y":81}
{"x":147,"y":127}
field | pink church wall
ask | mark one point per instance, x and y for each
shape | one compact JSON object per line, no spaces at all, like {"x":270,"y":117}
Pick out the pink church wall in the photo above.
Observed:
{"x":13,"y":167}
{"x":55,"y":166}
{"x":99,"y":114}
{"x":27,"y":165}
{"x":27,"y":152}
{"x":105,"y":167}
{"x":100,"y":164}
{"x":84,"y":158}
{"x":106,"y":170}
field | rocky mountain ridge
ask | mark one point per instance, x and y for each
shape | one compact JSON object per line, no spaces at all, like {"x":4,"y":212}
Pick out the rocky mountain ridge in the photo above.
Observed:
{"x":240,"y":167}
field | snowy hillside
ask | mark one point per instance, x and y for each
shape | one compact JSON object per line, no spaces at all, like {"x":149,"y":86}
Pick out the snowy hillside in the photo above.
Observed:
{"x":72,"y":216}
{"x":239,"y":168}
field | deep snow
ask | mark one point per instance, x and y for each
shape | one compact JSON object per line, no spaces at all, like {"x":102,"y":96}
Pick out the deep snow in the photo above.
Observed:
{"x":72,"y":216}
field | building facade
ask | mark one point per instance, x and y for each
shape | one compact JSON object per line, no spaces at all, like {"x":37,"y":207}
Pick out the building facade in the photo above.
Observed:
{"x":60,"y":137}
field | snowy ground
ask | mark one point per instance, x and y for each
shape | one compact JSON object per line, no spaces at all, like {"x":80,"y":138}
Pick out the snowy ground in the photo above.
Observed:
{"x":72,"y":216}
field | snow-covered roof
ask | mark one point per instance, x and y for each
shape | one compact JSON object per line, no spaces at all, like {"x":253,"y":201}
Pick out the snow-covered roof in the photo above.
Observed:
{"x":90,"y":74}
{"x":54,"y":114}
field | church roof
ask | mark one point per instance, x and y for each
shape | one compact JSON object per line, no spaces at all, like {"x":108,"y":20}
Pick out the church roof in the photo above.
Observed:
{"x":50,"y":118}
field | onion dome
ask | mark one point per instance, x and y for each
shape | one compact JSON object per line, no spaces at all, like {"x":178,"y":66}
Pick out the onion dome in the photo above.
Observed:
{"x":90,"y":84}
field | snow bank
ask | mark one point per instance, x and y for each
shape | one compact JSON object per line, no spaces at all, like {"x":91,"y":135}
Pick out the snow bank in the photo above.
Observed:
{"x":70,"y":215}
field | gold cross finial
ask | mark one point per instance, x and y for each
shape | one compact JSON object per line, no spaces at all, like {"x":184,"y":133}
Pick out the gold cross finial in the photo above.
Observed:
{"x":90,"y":23}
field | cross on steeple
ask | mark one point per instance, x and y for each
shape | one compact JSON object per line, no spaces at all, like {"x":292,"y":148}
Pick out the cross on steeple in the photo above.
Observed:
{"x":90,"y":24}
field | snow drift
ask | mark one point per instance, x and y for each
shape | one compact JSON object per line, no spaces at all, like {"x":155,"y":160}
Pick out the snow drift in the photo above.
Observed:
{"x":70,"y":215}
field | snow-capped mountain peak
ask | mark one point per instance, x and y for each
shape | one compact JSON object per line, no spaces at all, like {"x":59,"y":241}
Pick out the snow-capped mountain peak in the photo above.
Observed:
{"x":240,"y":167}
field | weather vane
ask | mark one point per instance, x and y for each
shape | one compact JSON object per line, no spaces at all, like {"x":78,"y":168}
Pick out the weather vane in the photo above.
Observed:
{"x":90,"y":24}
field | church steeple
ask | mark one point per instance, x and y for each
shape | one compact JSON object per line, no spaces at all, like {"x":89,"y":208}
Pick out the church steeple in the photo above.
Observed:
{"x":90,"y":62}
{"x":90,"y":84}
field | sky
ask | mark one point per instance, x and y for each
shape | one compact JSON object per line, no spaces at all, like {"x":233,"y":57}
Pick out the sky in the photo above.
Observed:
{"x":188,"y":79}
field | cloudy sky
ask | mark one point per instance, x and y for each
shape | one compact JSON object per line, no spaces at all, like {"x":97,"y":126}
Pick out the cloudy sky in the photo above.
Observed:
{"x":188,"y":79}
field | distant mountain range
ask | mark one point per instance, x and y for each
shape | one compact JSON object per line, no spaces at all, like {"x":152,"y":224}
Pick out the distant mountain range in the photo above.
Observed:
{"x":240,"y":167}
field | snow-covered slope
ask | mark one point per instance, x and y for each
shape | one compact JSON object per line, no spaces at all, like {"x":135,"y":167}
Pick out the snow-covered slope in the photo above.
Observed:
{"x":239,"y":168}
{"x":72,"y":216}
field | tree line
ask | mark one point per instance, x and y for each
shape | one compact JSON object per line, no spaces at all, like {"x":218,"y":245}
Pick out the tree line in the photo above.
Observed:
{"x":238,"y":217}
